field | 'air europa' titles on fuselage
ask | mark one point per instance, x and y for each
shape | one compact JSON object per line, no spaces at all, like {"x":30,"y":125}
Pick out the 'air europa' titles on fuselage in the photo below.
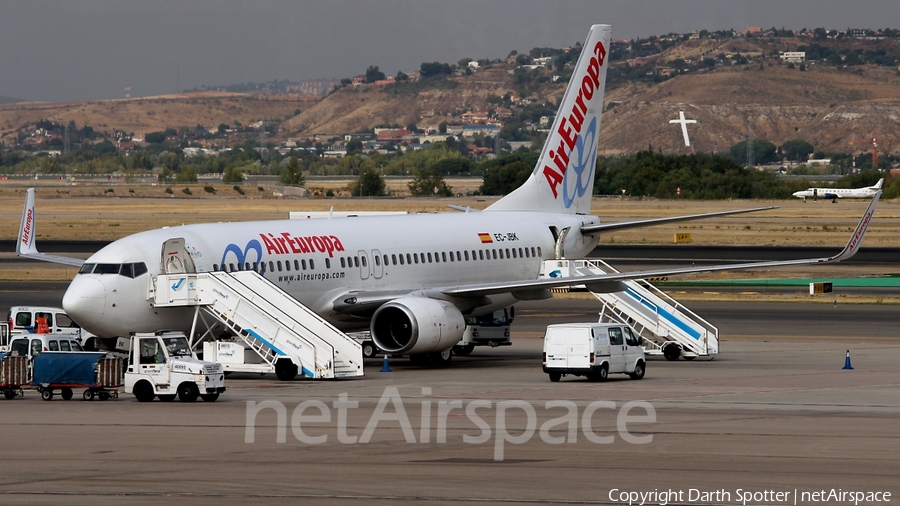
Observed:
{"x":569,"y":136}
{"x":286,"y":243}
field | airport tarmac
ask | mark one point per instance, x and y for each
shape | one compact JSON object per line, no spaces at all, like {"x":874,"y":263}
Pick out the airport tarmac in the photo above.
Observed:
{"x":775,"y":412}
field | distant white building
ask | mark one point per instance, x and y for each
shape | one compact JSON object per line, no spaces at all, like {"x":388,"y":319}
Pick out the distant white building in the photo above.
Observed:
{"x":793,"y":56}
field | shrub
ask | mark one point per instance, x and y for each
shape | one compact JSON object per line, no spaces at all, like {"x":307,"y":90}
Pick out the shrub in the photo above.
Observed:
{"x":169,"y":191}
{"x":238,"y":189}
{"x":209,"y":189}
{"x":186,"y":191}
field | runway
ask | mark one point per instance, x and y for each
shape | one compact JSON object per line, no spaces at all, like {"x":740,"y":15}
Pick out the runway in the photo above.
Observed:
{"x":774,"y":412}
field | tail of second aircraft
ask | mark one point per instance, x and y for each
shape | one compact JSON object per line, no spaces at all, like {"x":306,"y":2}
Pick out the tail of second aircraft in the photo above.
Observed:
{"x":563,"y":179}
{"x":878,"y":185}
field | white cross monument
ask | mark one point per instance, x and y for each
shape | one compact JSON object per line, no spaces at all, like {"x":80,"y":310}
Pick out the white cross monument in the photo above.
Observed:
{"x":684,"y":122}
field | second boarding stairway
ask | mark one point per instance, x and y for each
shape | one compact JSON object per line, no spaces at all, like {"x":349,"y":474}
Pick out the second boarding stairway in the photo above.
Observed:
{"x":667,"y":326}
{"x":278,"y":327}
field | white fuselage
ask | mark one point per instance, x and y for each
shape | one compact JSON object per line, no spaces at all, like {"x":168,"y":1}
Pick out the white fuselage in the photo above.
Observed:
{"x":322,"y":261}
{"x":830,"y":193}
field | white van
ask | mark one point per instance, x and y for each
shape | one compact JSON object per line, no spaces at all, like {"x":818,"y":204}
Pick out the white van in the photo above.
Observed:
{"x":32,"y":345}
{"x":24,"y":320}
{"x":594,"y":350}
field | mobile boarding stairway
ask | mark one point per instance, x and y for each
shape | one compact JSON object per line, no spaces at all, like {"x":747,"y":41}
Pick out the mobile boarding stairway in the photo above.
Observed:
{"x":287,"y":335}
{"x":667,"y":327}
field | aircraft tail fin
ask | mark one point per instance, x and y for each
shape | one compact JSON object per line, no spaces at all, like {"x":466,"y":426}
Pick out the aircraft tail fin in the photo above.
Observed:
{"x":879,"y":184}
{"x":563,"y":179}
{"x":25,"y":245}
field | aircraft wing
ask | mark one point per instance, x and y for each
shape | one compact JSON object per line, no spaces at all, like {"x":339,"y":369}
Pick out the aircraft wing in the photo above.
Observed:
{"x":611,"y":282}
{"x":605,"y":227}
{"x":25,"y":246}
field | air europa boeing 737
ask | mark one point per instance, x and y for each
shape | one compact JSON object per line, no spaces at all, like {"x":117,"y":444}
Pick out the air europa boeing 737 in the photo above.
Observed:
{"x":390,"y":273}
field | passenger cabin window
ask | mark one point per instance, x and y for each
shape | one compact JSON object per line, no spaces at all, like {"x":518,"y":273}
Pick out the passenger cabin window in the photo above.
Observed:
{"x":615,"y":336}
{"x":312,"y":264}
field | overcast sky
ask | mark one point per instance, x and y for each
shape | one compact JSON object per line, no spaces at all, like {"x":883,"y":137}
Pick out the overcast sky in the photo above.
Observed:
{"x":92,"y":49}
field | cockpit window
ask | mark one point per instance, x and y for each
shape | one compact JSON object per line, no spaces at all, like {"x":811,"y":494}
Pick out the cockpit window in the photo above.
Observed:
{"x":86,"y":269}
{"x":127,"y":270}
{"x":140,"y":269}
{"x":107,"y":268}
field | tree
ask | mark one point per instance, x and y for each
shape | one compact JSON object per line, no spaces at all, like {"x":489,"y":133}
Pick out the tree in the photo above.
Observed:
{"x":293,"y":173}
{"x":233,"y":174}
{"x":763,"y":152}
{"x":369,"y":184}
{"x":155,"y":137}
{"x":797,"y":150}
{"x":425,"y":183}
{"x":373,"y":74}
{"x":354,"y":146}
{"x":505,"y":178}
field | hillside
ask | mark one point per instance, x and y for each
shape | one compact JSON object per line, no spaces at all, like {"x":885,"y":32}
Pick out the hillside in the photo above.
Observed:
{"x":142,"y":115}
{"x":744,"y":87}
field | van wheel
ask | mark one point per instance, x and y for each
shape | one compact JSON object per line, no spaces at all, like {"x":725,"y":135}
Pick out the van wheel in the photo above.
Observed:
{"x":554,"y":376}
{"x":209,"y":397}
{"x":143,"y":392}
{"x":369,"y":350}
{"x":187,"y":392}
{"x":47,"y":394}
{"x":285,"y":370}
{"x":600,"y":375}
{"x":638,"y":371}
{"x":66,"y":394}
{"x":166,"y":398}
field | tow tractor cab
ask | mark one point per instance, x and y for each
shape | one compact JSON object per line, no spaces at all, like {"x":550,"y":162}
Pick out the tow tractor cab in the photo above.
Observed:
{"x":161,"y":364}
{"x":594,"y":350}
{"x":44,"y":320}
{"x":491,"y":329}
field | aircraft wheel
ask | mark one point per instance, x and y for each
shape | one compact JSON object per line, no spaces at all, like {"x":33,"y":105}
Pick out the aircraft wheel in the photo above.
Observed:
{"x":463,"y":351}
{"x":418,"y":359}
{"x":638,"y":371}
{"x":442,"y":357}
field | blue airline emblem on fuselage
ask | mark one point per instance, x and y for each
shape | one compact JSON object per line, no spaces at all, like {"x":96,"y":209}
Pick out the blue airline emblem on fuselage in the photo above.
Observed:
{"x":241,"y":255}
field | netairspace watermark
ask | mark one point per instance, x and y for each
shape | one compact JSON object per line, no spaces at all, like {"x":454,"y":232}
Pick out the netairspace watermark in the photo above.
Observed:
{"x":311,"y":412}
{"x":746,"y":497}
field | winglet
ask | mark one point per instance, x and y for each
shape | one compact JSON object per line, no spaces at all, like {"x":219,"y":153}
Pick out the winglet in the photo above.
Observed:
{"x":856,"y":239}
{"x":25,"y":245}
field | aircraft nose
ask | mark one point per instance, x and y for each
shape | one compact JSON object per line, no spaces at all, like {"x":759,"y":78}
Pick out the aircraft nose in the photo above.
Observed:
{"x":85,"y":301}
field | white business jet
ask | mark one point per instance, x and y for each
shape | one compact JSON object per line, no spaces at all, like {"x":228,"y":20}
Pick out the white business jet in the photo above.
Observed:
{"x":833,"y":194}
{"x":392,"y":273}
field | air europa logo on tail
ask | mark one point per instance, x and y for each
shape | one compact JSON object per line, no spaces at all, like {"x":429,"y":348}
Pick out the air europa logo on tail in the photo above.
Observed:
{"x":570,"y":135}
{"x":26,"y":230}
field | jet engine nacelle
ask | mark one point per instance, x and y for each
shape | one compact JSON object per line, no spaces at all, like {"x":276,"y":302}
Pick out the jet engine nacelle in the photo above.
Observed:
{"x":417,"y":325}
